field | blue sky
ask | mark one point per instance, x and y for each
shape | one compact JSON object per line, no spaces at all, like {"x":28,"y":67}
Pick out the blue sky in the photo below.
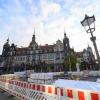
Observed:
{"x":18,"y":18}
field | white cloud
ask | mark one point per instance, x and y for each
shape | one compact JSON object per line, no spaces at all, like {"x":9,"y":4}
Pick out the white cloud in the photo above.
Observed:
{"x":49,"y":8}
{"x":22,"y":22}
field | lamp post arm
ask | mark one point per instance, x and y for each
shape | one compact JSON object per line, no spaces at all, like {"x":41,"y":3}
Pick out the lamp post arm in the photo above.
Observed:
{"x":95,"y":47}
{"x":93,"y":38}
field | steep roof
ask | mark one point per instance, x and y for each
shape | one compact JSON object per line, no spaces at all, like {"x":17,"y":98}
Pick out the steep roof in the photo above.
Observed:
{"x":22,"y":49}
{"x":47,"y":48}
{"x":78,"y":54}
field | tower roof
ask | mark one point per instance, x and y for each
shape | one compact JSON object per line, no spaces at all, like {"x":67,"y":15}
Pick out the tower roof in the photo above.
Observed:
{"x":65,"y":37}
{"x":33,"y":43}
{"x":65,"y":34}
{"x":7,"y":45}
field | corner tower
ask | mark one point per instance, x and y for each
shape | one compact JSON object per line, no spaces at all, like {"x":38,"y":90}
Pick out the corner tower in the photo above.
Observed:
{"x":6,"y":49}
{"x":66,"y":44}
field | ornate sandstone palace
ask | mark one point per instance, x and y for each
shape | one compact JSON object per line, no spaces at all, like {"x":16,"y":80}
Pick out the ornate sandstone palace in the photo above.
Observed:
{"x":51,"y":56}
{"x":40,"y":57}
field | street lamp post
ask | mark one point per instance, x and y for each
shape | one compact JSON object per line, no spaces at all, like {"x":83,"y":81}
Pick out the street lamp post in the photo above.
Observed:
{"x":89,"y":25}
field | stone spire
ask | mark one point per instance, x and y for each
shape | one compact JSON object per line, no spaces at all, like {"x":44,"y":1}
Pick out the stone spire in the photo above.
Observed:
{"x":33,"y":38}
{"x":33,"y":44}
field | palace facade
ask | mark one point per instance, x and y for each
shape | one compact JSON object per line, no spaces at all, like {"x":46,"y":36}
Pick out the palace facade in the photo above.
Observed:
{"x":42,"y":57}
{"x":51,"y":56}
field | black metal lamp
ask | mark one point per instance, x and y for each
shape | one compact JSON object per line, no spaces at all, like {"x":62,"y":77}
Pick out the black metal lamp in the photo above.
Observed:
{"x":89,"y":23}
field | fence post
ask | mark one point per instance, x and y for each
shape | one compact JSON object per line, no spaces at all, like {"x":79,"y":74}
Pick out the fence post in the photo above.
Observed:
{"x":58,"y":93}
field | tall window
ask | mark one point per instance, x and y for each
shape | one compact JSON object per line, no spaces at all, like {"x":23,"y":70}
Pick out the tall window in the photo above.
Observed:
{"x":50,"y":56}
{"x":57,"y":55}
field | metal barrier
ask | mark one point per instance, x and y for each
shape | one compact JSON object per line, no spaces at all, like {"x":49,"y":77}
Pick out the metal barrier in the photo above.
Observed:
{"x":30,"y":91}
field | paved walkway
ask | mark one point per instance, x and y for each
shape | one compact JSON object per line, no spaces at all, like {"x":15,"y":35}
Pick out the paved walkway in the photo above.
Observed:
{"x":6,"y":96}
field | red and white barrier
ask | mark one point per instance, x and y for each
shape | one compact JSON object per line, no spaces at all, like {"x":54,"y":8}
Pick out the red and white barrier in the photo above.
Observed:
{"x":31,"y":91}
